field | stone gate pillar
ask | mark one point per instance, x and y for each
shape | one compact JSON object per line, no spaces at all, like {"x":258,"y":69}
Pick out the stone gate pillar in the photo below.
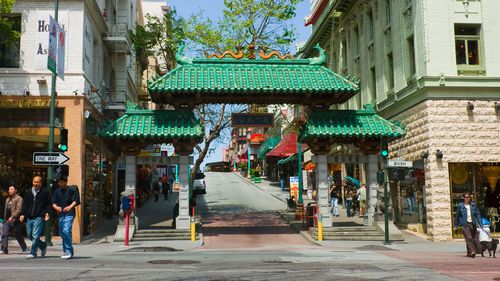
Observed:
{"x":371,"y":187}
{"x":183,"y":220}
{"x":322,"y":185}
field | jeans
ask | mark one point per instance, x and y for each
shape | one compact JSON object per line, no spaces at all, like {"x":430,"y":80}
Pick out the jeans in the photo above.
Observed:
{"x":410,"y":200}
{"x":65,"y":230}
{"x":7,"y":226}
{"x":471,"y":239}
{"x":348,"y":206}
{"x":282,"y":185}
{"x":34,"y":229}
{"x":335,"y":208}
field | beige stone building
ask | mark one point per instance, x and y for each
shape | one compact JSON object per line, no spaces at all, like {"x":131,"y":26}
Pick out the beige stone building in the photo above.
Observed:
{"x":433,"y":66}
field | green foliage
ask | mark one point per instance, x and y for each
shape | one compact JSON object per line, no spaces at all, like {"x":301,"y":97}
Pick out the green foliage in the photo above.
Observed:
{"x":8,"y":31}
{"x":160,"y":37}
{"x":245,"y":22}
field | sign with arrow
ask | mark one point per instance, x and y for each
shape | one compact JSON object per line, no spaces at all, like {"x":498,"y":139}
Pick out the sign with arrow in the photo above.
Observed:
{"x":49,"y":158}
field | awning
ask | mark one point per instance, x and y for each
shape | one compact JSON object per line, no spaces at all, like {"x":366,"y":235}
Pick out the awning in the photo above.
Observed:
{"x":286,"y":160}
{"x":285,"y":148}
{"x":269,"y":144}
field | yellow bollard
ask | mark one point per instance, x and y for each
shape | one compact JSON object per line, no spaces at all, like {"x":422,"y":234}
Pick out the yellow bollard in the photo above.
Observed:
{"x":320,"y":228}
{"x":193,"y":230}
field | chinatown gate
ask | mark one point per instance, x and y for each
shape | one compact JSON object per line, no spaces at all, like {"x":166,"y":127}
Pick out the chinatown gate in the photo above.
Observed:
{"x":253,"y":79}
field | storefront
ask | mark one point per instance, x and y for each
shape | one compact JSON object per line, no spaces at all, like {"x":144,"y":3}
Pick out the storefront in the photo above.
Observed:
{"x":482,"y":180}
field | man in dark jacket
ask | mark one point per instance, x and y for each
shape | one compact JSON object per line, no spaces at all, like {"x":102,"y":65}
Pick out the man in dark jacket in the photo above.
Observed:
{"x":36,"y":206}
{"x":64,"y":201}
{"x":468,"y":217}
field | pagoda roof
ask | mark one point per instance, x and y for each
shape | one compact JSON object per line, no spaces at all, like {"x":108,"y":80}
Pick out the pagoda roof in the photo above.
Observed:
{"x":154,"y":126}
{"x":349,"y":124}
{"x":256,"y":81}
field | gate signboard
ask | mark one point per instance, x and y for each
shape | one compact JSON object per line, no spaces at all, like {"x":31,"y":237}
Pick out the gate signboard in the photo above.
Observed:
{"x":246,"y":120}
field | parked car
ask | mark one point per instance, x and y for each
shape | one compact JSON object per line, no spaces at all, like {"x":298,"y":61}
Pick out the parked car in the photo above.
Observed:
{"x":199,"y":185}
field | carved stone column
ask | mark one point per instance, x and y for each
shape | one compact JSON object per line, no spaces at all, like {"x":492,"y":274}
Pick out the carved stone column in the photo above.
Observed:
{"x":183,"y":220}
{"x":322,"y":188}
{"x":371,"y":187}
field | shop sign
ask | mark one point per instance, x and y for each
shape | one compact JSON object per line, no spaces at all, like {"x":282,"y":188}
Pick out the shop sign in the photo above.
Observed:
{"x":294,"y":188}
{"x":28,"y":117}
{"x":27,"y":103}
{"x":252,"y":120}
{"x":400,"y":164}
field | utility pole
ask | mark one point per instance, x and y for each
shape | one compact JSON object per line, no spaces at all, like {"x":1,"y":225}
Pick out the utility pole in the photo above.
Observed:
{"x":48,"y":225}
{"x":384,"y":152}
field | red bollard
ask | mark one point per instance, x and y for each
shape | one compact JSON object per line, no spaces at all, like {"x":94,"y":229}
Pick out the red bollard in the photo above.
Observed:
{"x":127,"y":223}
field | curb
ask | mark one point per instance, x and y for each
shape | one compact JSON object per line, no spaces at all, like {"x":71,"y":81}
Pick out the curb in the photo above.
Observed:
{"x":304,"y":233}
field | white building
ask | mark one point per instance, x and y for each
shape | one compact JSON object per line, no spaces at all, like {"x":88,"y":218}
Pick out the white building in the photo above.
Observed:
{"x":433,"y":66}
{"x":101,"y":74}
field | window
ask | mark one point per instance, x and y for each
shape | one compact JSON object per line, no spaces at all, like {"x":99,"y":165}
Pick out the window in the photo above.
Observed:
{"x":10,"y":51}
{"x":370,"y":25}
{"x":390,"y":72}
{"x":411,"y":56}
{"x":373,"y":90}
{"x":356,"y":40}
{"x":388,"y":11}
{"x":467,"y":45}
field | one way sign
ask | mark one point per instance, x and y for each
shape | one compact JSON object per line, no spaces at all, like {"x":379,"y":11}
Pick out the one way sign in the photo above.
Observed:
{"x":49,"y":158}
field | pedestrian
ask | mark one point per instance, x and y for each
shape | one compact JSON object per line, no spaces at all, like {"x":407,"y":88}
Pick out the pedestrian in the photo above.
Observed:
{"x":282,"y":180}
{"x":361,"y":193}
{"x":410,"y":200}
{"x":334,"y":195}
{"x":64,"y":201}
{"x":156,"y":189}
{"x":36,"y":207}
{"x":12,"y":212}
{"x":348,"y":202}
{"x":467,"y":216}
{"x":165,"y":187}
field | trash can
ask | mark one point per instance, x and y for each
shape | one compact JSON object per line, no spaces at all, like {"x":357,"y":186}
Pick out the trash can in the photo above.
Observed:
{"x":310,"y":213}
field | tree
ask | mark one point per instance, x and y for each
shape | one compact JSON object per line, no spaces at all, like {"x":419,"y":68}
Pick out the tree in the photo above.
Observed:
{"x":8,"y":33}
{"x":160,"y":37}
{"x":262,"y":23}
{"x":245,"y":22}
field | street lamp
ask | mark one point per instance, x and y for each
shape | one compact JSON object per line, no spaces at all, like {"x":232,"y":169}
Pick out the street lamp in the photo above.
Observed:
{"x":249,"y":137}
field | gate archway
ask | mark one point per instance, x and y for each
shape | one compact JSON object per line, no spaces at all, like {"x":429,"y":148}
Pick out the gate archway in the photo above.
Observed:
{"x":251,"y":80}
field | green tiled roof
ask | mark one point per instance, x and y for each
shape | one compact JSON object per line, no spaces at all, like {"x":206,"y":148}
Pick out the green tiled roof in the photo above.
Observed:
{"x":269,"y":144}
{"x":349,"y":124}
{"x":154,"y":125}
{"x":209,"y":79}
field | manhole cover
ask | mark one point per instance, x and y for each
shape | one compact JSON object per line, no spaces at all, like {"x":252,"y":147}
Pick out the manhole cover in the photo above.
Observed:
{"x":151,"y":249}
{"x":374,"y":248}
{"x":173,"y":262}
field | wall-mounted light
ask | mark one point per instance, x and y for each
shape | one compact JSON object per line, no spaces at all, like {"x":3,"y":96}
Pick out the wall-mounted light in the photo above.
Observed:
{"x":439,"y":154}
{"x":42,"y":81}
{"x":470,"y":106}
{"x":497,"y":105}
{"x":466,"y":7}
{"x":0,"y":93}
{"x":26,"y":92}
{"x":424,"y":154}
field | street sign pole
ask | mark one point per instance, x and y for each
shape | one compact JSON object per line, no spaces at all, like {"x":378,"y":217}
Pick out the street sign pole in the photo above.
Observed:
{"x":386,"y":199}
{"x":48,"y":228}
{"x":301,"y":184}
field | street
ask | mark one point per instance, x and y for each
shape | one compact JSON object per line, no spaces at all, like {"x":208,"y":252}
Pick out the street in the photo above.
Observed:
{"x":245,"y":239}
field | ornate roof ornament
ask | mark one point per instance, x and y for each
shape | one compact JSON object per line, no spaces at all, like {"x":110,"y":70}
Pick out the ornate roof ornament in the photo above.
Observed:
{"x":369,"y":107}
{"x":265,"y":56}
{"x":180,"y":58}
{"x":131,"y":106}
{"x":321,"y":59}
{"x":238,"y":55}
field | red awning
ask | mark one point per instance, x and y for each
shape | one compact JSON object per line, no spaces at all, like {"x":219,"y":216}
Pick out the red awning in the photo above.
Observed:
{"x":286,"y":147}
{"x":318,"y":11}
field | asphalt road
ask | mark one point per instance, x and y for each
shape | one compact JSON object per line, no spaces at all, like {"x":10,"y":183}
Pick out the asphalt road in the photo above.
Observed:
{"x":244,"y":239}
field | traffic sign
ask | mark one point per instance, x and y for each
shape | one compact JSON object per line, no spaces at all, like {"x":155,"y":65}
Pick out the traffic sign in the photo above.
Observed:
{"x":400,"y":164}
{"x":49,"y":158}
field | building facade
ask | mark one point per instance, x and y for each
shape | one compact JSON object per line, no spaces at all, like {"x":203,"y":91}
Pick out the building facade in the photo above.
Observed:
{"x":437,"y":75}
{"x":101,"y":75}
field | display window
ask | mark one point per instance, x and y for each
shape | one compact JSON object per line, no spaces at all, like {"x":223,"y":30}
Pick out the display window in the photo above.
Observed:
{"x":482,"y":180}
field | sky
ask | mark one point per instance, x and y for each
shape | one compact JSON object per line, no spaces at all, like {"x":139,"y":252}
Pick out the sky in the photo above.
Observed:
{"x":213,"y":9}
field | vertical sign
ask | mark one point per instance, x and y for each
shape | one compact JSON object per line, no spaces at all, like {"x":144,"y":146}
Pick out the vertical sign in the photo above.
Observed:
{"x":294,"y":188}
{"x":61,"y":43}
{"x":52,"y":52}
